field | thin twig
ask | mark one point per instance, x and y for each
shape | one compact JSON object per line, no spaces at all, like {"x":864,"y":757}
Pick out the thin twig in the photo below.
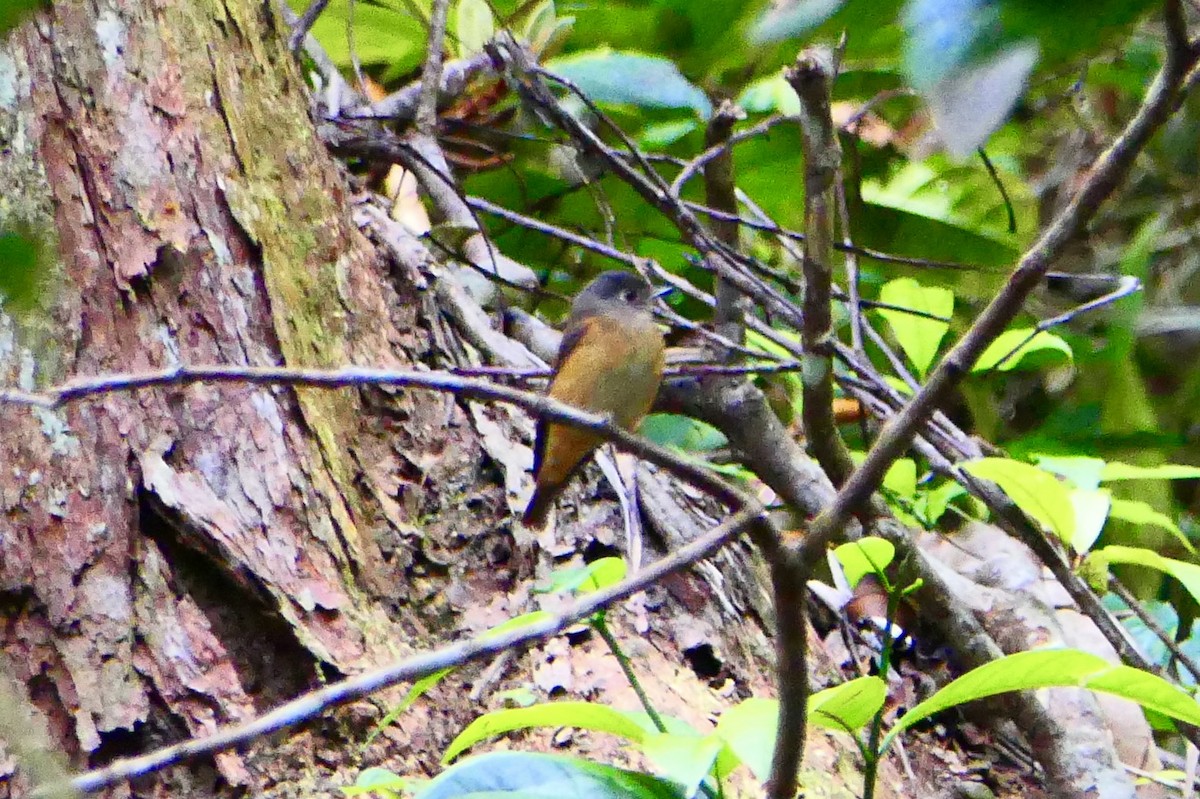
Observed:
{"x":304,"y":23}
{"x":1167,"y":640}
{"x":401,"y":105}
{"x":722,"y":147}
{"x":431,"y":73}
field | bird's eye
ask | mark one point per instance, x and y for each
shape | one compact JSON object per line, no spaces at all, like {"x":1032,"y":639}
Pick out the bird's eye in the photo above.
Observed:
{"x":630,"y":296}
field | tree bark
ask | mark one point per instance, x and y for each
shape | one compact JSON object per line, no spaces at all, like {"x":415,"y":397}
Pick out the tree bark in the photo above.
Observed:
{"x":171,"y":561}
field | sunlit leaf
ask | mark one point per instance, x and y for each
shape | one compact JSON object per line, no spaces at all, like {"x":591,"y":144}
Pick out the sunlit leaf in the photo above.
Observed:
{"x":1188,"y":574}
{"x":381,"y":782}
{"x":864,"y":556}
{"x":380,"y":34}
{"x":919,"y":336}
{"x":1083,"y":471}
{"x":1014,"y":349}
{"x":683,"y":759}
{"x":849,"y":706}
{"x":748,"y":729}
{"x":517,"y":622}
{"x":901,"y":478}
{"x":1138,"y":512}
{"x":1036,"y":492}
{"x":771,"y":94}
{"x":932,"y":504}
{"x":475,"y":26}
{"x":1167,"y":471}
{"x":1048,"y":668}
{"x":1091,"y":507}
{"x":655,"y":137}
{"x":582,"y":715}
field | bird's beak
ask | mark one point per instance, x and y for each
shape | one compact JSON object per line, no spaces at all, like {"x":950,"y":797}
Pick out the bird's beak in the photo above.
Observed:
{"x":662,"y":292}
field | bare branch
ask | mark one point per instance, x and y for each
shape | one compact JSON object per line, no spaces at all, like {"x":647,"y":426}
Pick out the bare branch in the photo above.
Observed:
{"x":431,"y":74}
{"x":354,"y":376}
{"x":720,"y":191}
{"x":304,"y":23}
{"x":401,"y":105}
{"x":722,"y":147}
{"x":811,"y":77}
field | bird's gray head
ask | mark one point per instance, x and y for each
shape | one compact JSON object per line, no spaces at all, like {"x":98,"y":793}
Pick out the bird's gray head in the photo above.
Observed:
{"x":613,"y":291}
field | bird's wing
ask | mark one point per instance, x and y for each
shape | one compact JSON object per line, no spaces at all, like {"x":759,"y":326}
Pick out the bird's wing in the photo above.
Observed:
{"x":572,"y":337}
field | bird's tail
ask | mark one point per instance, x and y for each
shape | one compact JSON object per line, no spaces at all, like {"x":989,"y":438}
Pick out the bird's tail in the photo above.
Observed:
{"x":539,"y":506}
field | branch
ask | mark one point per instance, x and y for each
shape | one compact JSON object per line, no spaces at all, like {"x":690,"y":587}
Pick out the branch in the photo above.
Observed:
{"x":311,"y":705}
{"x":431,"y":73}
{"x":401,"y":106}
{"x":304,"y":23}
{"x":811,"y":78}
{"x":354,"y":376}
{"x":1106,"y":174}
{"x":720,"y":191}
{"x":720,"y":147}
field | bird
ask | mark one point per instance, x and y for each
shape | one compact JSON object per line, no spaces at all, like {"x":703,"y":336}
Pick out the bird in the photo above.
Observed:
{"x":610,"y":362}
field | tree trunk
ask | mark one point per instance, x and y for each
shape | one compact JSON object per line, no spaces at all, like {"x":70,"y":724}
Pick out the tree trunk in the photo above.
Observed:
{"x":173,"y":560}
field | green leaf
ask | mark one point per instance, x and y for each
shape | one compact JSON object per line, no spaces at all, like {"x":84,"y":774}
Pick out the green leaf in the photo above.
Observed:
{"x":930,"y":505}
{"x":582,"y":715}
{"x":769,"y":95}
{"x":865,"y":556}
{"x":901,"y":478}
{"x":849,"y":706}
{"x":516,"y":622}
{"x":475,"y":26}
{"x":517,"y":775}
{"x":1138,"y":512}
{"x":13,"y":12}
{"x":918,"y":336}
{"x":1091,"y":507}
{"x":418,"y":689}
{"x":1186,"y":573}
{"x":603,"y":573}
{"x":683,"y":759}
{"x":1049,"y":668}
{"x":594,"y":576}
{"x":627,"y":78}
{"x":748,"y":729}
{"x":1014,"y":348}
{"x":657,"y":136}
{"x":684,"y":432}
{"x":382,"y":34}
{"x":1167,"y":471}
{"x":1084,"y":472}
{"x":1036,"y":492}
{"x":381,"y":781}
